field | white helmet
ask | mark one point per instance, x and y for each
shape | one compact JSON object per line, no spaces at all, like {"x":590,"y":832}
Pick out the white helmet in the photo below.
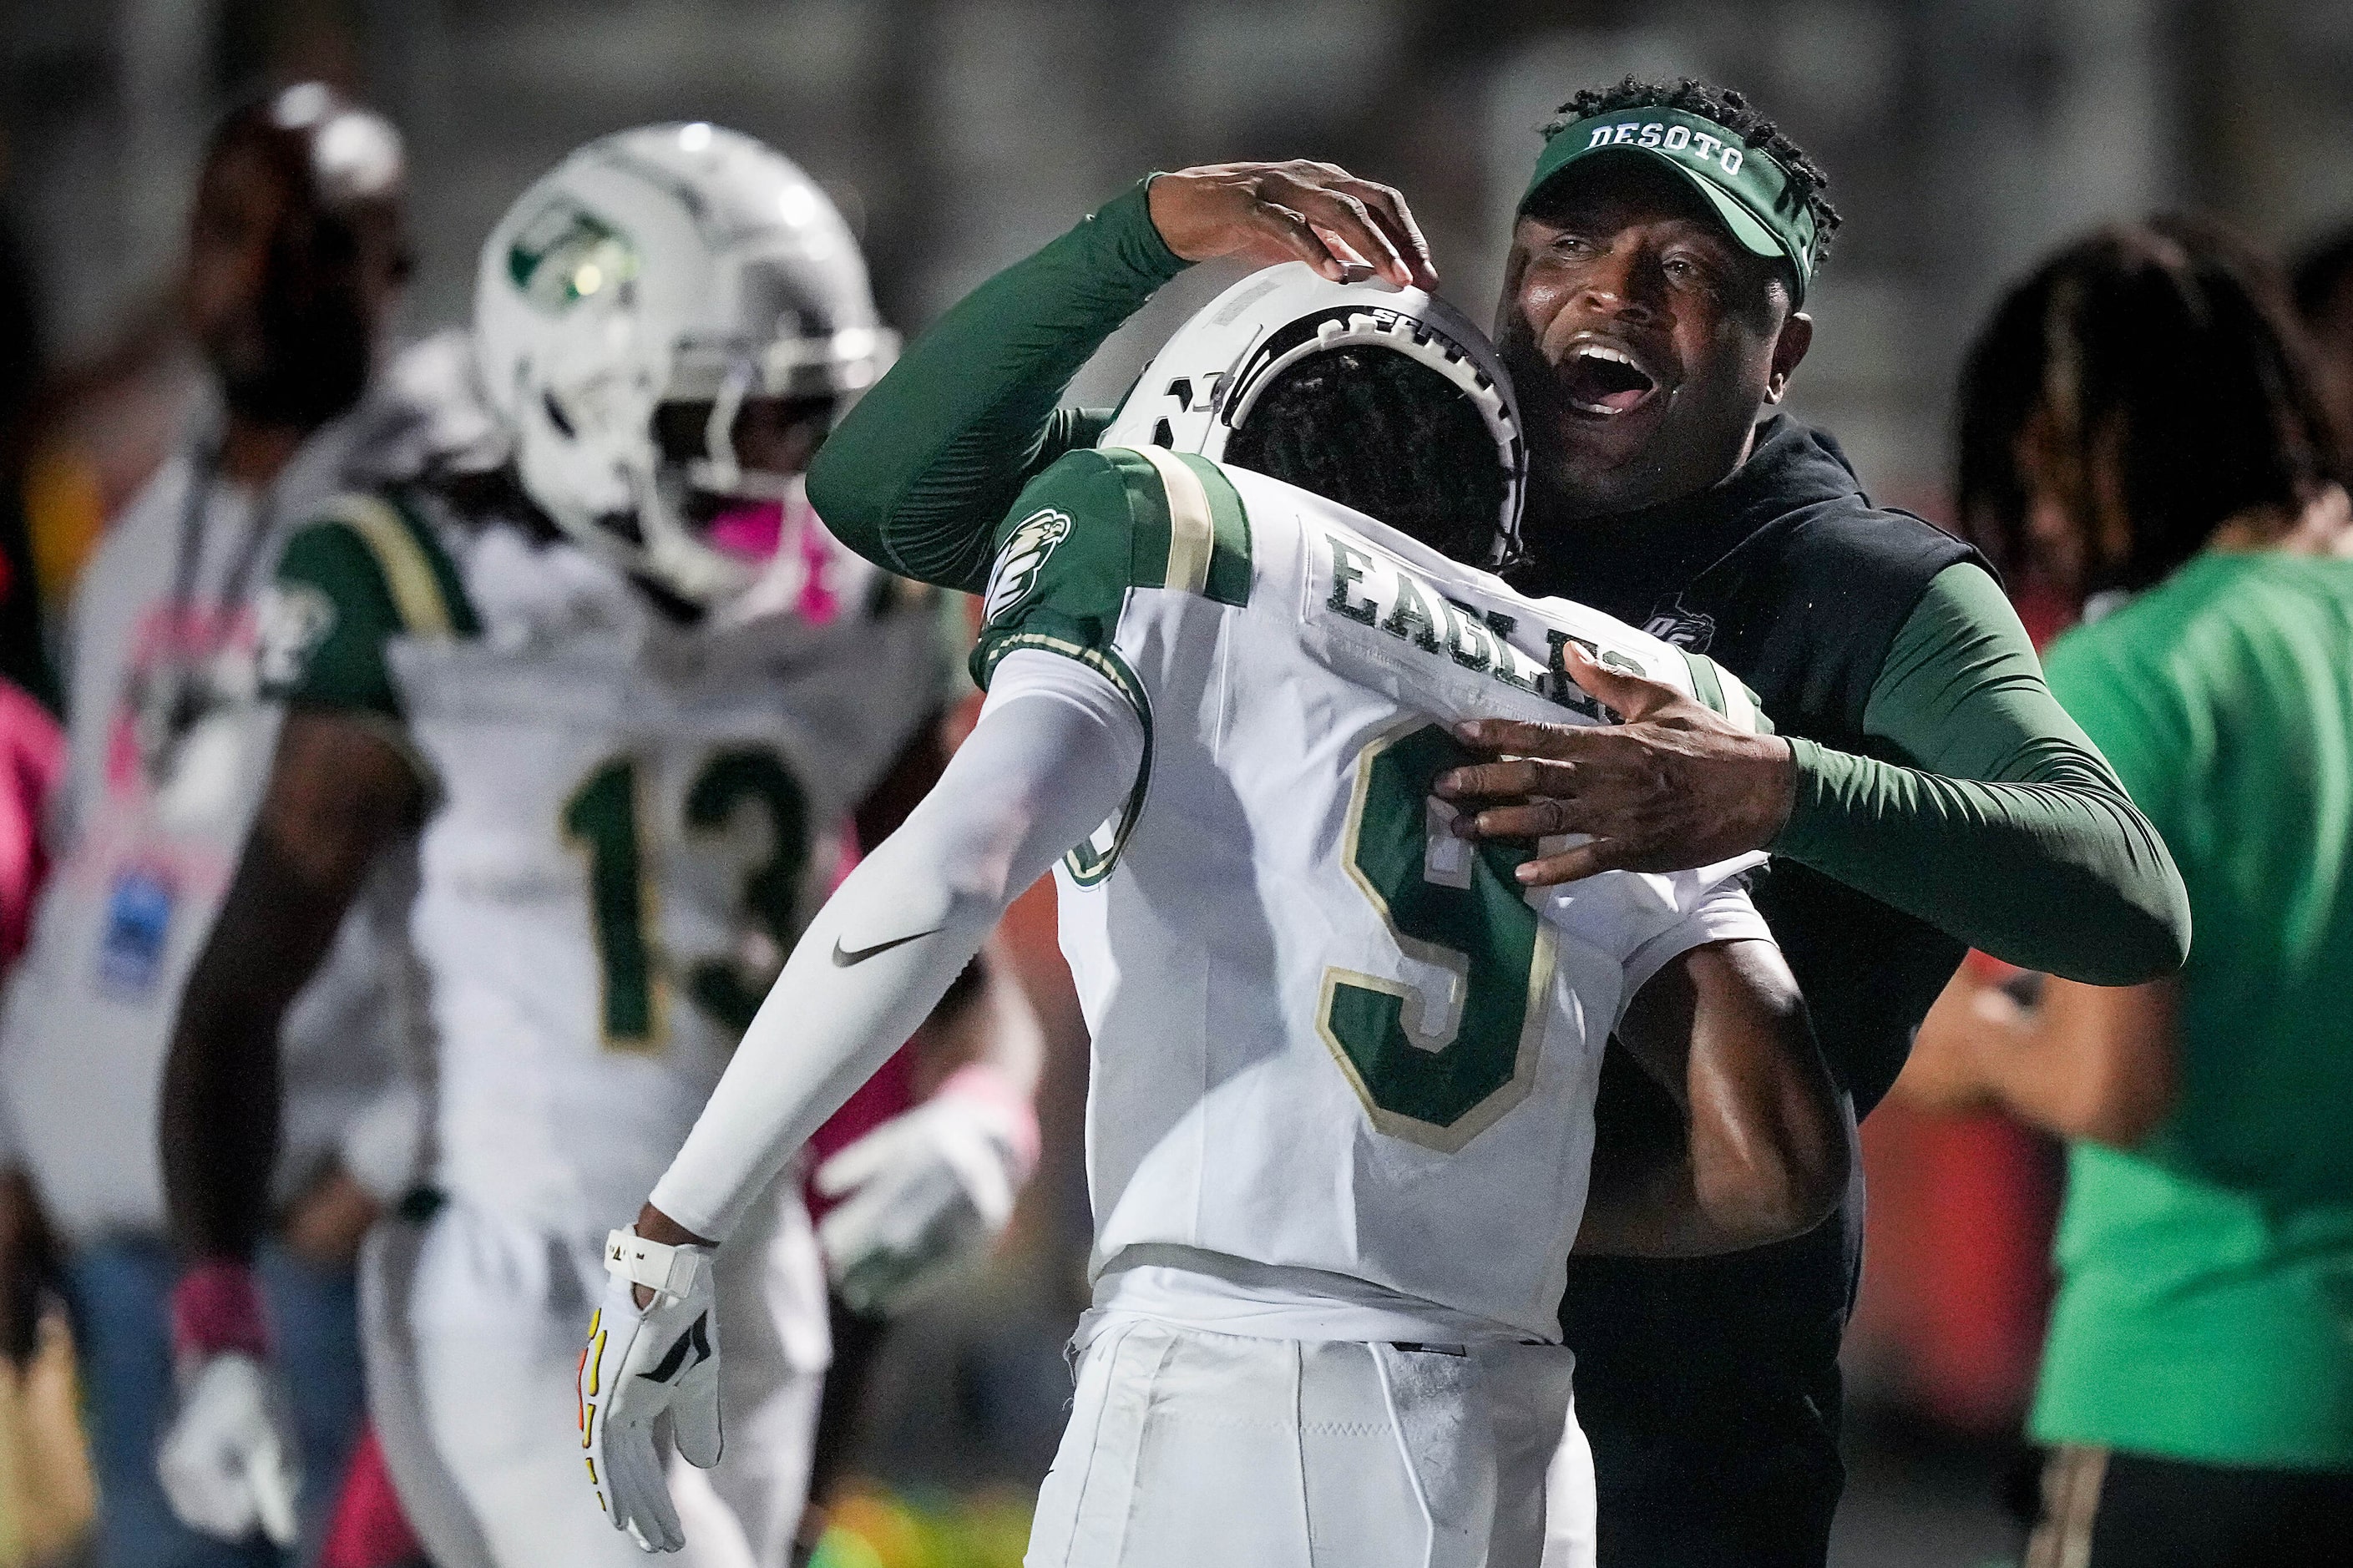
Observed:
{"x":673,"y":271}
{"x":1202,"y":385}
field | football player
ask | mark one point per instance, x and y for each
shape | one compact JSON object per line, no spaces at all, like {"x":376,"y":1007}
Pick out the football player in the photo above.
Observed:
{"x":1340,"y":1108}
{"x":631,"y":700}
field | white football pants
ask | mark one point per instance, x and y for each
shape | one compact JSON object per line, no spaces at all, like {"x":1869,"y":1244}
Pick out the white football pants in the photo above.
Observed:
{"x":1187,"y":1447}
{"x":1571,"y":1500}
{"x":474,"y":1326}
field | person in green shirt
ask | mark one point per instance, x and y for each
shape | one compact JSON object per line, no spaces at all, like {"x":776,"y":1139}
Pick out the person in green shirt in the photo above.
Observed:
{"x":1924,"y":793}
{"x":2142,"y":432}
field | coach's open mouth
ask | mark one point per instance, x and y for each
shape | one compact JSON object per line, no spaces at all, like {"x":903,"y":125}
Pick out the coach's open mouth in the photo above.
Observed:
{"x":1604,"y":379}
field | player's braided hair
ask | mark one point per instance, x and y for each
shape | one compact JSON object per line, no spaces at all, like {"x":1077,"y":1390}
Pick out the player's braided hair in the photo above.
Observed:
{"x":1383,"y":434}
{"x":1729,"y":109}
{"x":2164,"y":353}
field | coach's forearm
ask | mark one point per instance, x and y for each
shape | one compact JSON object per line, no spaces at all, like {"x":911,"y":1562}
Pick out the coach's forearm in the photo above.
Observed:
{"x":2011,"y":832}
{"x":926,"y":465}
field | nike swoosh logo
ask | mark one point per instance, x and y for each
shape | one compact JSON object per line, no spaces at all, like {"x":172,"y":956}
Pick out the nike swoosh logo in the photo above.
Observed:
{"x":844,"y":957}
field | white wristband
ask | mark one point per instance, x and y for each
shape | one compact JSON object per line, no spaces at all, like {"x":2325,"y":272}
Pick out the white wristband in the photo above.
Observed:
{"x":652,"y":1264}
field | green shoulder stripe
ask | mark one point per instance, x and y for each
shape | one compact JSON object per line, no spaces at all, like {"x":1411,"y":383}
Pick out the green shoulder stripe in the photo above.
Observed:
{"x":1725,"y":692}
{"x":1705,"y":684}
{"x":1191,"y":534}
{"x":365,"y":572}
{"x":1095,"y":525}
{"x":421,"y":579}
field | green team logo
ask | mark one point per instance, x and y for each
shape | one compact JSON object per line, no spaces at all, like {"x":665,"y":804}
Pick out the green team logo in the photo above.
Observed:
{"x":1022,"y":558}
{"x":566,"y":254}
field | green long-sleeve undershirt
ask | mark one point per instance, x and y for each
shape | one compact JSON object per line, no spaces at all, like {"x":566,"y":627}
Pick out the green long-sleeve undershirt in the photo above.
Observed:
{"x":920,"y":473}
{"x":2007,"y":830}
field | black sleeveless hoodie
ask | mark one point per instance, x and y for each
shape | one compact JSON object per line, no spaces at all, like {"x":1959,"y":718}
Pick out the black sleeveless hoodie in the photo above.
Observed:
{"x":1788,"y":574}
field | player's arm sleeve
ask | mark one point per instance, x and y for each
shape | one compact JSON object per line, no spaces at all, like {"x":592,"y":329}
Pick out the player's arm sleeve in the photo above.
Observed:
{"x":2008,"y":829}
{"x":923,"y":466}
{"x":1054,"y":753}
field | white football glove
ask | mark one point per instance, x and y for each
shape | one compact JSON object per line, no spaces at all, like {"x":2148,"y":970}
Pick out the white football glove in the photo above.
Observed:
{"x":927,"y":1189}
{"x":229,"y":1461}
{"x":639,"y":1363}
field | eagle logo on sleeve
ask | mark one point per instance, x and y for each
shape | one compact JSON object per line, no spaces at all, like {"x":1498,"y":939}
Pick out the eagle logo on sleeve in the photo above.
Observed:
{"x":292,"y":619}
{"x":1021,"y":559}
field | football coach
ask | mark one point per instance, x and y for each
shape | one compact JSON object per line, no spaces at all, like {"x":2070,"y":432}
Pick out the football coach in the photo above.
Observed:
{"x":1924,"y":792}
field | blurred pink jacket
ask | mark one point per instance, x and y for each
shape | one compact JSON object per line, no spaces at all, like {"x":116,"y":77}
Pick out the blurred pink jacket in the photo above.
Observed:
{"x":32,"y":757}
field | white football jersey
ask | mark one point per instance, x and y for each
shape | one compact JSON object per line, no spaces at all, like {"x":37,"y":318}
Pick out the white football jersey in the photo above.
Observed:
{"x":632,"y":821}
{"x":1328,"y":1035}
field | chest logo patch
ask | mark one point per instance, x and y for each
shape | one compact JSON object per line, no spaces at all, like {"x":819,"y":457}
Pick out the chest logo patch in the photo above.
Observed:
{"x":1691,"y":630}
{"x":1025,"y":549}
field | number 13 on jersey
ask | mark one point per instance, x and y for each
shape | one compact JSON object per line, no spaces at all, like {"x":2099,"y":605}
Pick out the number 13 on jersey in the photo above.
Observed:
{"x":1436,"y":1062}
{"x":606,"y":818}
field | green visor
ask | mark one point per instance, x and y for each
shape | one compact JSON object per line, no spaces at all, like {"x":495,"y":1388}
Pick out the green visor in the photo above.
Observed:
{"x":1764,"y":208}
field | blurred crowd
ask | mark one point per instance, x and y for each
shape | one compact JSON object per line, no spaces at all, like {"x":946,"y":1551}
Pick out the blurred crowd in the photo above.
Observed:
{"x":2150,"y":439}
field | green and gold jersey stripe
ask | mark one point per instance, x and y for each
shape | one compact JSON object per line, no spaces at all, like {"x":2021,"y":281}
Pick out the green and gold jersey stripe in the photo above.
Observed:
{"x":1723,"y":693}
{"x":1191,"y":534}
{"x":1192,"y":537}
{"x":1229,"y":581}
{"x":427,"y":592}
{"x":1705,"y":684}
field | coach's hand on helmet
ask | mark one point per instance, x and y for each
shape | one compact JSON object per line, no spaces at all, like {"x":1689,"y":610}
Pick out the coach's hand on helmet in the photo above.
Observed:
{"x":1297,"y":210}
{"x":1672,"y":787}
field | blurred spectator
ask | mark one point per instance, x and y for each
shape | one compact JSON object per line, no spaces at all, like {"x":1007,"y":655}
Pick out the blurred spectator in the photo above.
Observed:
{"x":32,"y":755}
{"x":23,"y":660}
{"x":2143,"y":431}
{"x":2323,"y":282}
{"x":296,"y":250}
{"x":45,"y":1483}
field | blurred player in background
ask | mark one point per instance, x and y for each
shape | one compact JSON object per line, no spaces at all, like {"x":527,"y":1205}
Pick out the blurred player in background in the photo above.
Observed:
{"x":1339,"y":1117}
{"x":1924,"y":792}
{"x":296,"y":252}
{"x":2142,"y":430}
{"x":612,"y":679}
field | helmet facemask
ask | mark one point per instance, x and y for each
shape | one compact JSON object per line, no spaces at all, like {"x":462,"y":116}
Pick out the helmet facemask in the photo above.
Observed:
{"x":709,"y":481}
{"x":725,"y":488}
